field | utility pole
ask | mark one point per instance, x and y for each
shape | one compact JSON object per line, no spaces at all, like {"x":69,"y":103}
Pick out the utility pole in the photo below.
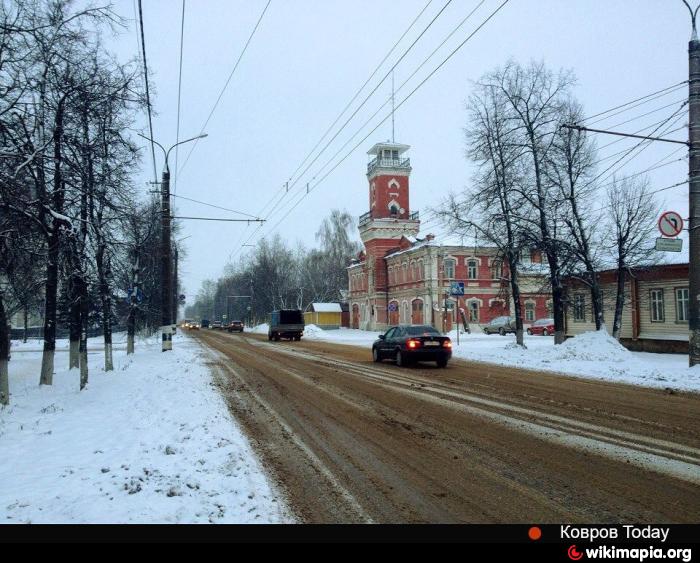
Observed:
{"x":166,"y":274}
{"x":175,"y":290}
{"x":694,"y":193}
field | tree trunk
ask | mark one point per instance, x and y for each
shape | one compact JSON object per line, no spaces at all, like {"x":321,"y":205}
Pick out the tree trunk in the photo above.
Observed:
{"x":619,"y":303}
{"x":47,"y":360}
{"x":597,"y":300}
{"x":83,"y":332}
{"x":74,"y":324}
{"x":4,"y":356}
{"x":26,"y":323}
{"x":515,"y":290}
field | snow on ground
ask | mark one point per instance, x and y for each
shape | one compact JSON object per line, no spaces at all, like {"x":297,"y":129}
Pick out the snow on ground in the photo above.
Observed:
{"x":590,"y":355}
{"x":150,"y":442}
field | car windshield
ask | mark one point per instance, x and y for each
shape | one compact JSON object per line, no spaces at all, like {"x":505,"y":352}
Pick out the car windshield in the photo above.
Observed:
{"x":421,"y":331}
{"x":545,"y":322}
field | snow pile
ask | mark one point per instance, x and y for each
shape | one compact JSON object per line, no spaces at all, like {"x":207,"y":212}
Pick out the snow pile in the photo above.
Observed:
{"x":313,"y":331}
{"x":152,"y":441}
{"x":260,"y":329}
{"x":592,"y":347}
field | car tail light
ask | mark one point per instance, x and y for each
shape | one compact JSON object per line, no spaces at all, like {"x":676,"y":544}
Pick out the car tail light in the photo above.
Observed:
{"x":447,"y":344}
{"x":413,"y":344}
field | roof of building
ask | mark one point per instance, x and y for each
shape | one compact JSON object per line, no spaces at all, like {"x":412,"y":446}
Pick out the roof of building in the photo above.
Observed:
{"x":387,"y":145}
{"x":326,"y":308}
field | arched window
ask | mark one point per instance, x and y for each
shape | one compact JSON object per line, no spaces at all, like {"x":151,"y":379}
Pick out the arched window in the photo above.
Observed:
{"x":404,"y":272}
{"x":394,"y":210}
{"x":497,"y":270}
{"x":449,"y":268}
{"x":472,"y":269}
{"x":420,"y":269}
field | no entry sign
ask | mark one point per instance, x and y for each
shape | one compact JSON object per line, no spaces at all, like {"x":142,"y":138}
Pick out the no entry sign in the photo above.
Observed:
{"x":670,"y":224}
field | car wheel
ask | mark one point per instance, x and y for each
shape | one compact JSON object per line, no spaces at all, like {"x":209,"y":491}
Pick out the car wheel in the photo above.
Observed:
{"x":442,"y":363}
{"x":375,"y":355}
{"x":277,"y":337}
{"x":400,"y":359}
{"x":269,"y":336}
{"x":529,"y":332}
{"x":502,"y":331}
{"x":545,"y":332}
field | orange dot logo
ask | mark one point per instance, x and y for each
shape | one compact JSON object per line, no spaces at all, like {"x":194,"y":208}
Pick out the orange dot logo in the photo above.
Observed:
{"x":534,"y":533}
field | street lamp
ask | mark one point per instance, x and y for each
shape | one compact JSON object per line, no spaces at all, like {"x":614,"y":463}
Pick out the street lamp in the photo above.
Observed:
{"x":165,"y":250}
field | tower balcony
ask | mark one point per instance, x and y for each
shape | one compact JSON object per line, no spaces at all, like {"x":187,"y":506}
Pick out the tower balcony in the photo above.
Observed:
{"x":367,"y":217}
{"x":393,"y":163}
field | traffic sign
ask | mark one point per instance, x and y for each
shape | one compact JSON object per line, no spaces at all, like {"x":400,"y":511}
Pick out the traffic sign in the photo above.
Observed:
{"x":669,"y":244}
{"x":456,"y":288}
{"x":393,"y":307}
{"x":670,"y":224}
{"x":182,"y":298}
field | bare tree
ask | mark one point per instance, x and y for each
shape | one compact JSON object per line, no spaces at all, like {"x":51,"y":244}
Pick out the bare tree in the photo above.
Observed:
{"x":631,"y":212}
{"x":536,"y":98}
{"x":571,"y":162}
{"x":488,"y":207}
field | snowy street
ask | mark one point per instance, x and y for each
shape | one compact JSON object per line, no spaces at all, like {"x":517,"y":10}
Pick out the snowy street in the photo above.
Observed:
{"x":353,"y":440}
{"x":591,"y":355}
{"x":150,"y":442}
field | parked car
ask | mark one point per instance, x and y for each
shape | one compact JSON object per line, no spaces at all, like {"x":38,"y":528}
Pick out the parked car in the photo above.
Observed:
{"x":235,"y":326}
{"x":286,"y":323}
{"x":204,"y":323}
{"x":412,"y":343}
{"x":216,"y":325}
{"x":545,"y":327}
{"x":500,"y":325}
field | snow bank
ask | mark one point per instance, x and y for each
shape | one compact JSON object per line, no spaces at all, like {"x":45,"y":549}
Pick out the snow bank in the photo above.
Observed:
{"x":260,"y":329}
{"x":313,"y":331}
{"x":152,"y":441}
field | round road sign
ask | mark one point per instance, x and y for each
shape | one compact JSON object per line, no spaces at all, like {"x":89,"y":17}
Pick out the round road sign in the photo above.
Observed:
{"x":670,"y":224}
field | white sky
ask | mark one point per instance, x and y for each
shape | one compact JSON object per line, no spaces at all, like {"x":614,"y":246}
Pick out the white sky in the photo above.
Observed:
{"x":309,"y":57}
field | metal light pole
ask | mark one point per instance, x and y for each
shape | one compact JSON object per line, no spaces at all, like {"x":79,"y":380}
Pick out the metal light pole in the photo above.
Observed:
{"x":166,"y":279}
{"x":694,"y":192}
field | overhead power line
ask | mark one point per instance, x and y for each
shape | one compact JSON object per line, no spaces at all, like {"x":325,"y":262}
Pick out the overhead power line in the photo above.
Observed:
{"x":347,"y":106}
{"x":148,"y":96}
{"x":228,"y":80}
{"x":663,"y":91}
{"x":179,"y":95}
{"x":430,"y":75}
{"x":390,"y":99}
{"x":214,"y":206}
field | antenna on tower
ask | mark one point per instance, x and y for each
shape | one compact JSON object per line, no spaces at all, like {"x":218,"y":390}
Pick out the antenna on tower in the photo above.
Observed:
{"x":393,"y":140}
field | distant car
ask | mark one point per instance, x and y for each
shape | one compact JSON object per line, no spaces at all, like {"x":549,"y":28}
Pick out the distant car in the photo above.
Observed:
{"x":545,"y":327}
{"x":500,"y":325}
{"x":215,"y":325}
{"x":235,"y":326}
{"x":412,"y":343}
{"x":204,"y":323}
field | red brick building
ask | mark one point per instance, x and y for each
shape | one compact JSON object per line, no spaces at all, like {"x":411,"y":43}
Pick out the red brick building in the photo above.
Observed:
{"x":402,"y":277}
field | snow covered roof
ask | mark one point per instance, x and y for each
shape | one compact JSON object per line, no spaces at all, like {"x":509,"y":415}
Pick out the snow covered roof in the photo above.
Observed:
{"x":326,"y":308}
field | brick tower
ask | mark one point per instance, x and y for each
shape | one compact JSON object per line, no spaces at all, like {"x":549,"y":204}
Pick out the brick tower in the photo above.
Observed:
{"x":388,"y":220}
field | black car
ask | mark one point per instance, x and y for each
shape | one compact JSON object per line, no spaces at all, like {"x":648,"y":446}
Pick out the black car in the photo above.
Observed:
{"x":413,"y":343}
{"x":235,"y":326}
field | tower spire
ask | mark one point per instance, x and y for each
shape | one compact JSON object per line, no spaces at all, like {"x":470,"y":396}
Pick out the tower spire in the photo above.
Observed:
{"x":393,"y":139}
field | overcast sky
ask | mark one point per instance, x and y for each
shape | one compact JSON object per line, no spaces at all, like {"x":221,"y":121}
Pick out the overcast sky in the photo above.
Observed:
{"x":309,"y":57}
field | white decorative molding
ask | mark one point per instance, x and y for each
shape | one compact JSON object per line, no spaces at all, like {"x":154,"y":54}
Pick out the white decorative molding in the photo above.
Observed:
{"x":393,"y":183}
